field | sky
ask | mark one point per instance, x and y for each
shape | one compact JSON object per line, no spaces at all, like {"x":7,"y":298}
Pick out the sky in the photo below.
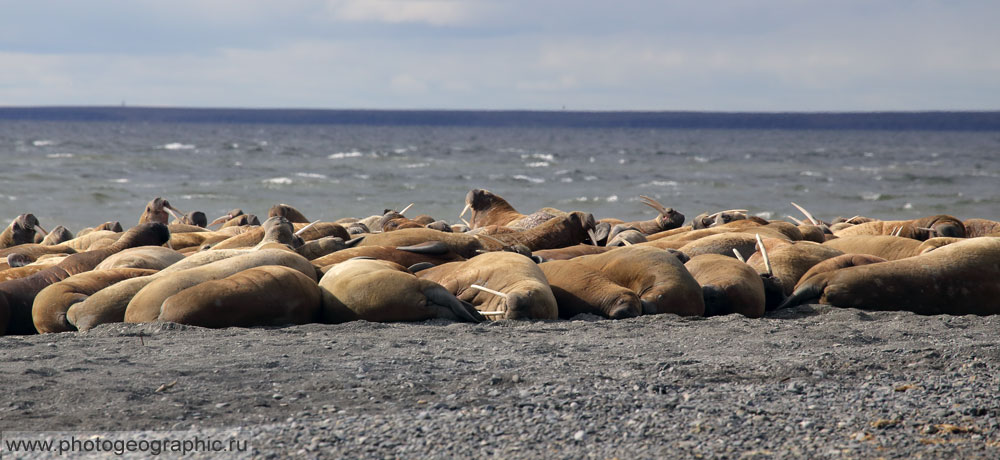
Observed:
{"x":706,"y":55}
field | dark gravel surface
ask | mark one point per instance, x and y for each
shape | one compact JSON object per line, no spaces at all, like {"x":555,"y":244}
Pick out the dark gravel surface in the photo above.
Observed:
{"x":812,"y":381}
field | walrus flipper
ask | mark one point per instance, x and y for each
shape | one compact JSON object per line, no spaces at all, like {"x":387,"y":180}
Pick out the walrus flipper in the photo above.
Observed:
{"x":434,"y":248}
{"x":811,"y":290}
{"x":438,"y":298}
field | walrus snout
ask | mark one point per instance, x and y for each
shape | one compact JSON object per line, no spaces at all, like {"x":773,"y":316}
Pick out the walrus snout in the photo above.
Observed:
{"x":774,"y":292}
{"x":627,"y":306}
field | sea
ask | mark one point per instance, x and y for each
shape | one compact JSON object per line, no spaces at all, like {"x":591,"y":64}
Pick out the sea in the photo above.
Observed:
{"x":80,"y":167}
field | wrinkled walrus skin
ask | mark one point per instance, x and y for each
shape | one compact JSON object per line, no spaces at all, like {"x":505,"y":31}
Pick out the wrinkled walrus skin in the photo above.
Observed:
{"x":269,"y":295}
{"x":383,"y":291}
{"x":958,"y":279}
{"x":657,"y":276}
{"x":48,"y":311}
{"x":582,"y":289}
{"x":729,"y":286}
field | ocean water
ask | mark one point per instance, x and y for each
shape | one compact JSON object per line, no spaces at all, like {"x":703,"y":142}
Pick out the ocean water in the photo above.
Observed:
{"x":81,"y":174}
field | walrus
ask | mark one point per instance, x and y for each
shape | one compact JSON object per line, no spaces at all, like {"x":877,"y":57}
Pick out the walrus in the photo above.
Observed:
{"x":317,"y":230}
{"x":268,"y":295}
{"x":108,"y":305}
{"x":195,"y":218}
{"x":288,"y":212}
{"x":722,"y":244}
{"x":57,"y":235}
{"x":156,"y":211}
{"x":836,"y":263}
{"x":20,"y":293}
{"x":151,"y":257}
{"x":488,"y":209}
{"x":315,"y":249}
{"x":885,"y":246}
{"x":276,"y":229}
{"x":579,"y":288}
{"x":918,"y":229}
{"x":790,"y":260}
{"x":48,"y":311}
{"x":627,"y":237}
{"x":706,"y":220}
{"x":145,"y":306}
{"x":980,"y":227}
{"x":460,"y":243}
{"x":241,"y":220}
{"x":728,"y":285}
{"x":667,"y":219}
{"x":505,"y":284}
{"x":379,"y":290}
{"x":557,"y":232}
{"x":958,"y":279}
{"x":658,"y":277}
{"x":226,"y":217}
{"x":20,"y":231}
{"x":434,"y":252}
{"x":111,"y":226}
{"x":569,"y":252}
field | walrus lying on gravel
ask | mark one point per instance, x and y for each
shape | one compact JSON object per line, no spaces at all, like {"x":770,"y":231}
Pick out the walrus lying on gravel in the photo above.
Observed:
{"x":579,"y":288}
{"x":729,"y":285}
{"x":268,"y":295}
{"x":379,"y":290}
{"x":505,"y":284}
{"x":790,"y":260}
{"x":657,"y":276}
{"x":958,"y":279}
{"x":48,"y":311}
{"x":20,"y":293}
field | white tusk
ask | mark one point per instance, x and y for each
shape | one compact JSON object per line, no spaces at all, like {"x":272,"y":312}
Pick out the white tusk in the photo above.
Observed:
{"x":593,"y":237}
{"x":738,"y":255}
{"x":303,"y":229}
{"x":467,"y":224}
{"x":492,"y":313}
{"x":797,"y":222}
{"x":806,"y":213}
{"x":626,"y":242}
{"x":501,"y":243}
{"x":464,"y":210}
{"x":170,"y":246}
{"x":491,"y":291}
{"x":406,"y":209}
{"x":172,"y":213}
{"x":39,"y":227}
{"x":763,"y":253}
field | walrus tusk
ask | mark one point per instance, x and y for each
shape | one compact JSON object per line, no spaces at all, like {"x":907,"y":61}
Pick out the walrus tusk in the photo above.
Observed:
{"x":806,"y":213}
{"x":169,"y":246}
{"x":653,"y":204}
{"x":895,"y":231}
{"x":406,"y":208}
{"x":39,"y":227}
{"x":177,"y":215}
{"x":303,"y":229}
{"x":491,"y":291}
{"x":492,"y":313}
{"x":626,"y":243}
{"x":501,"y":243}
{"x":738,"y":255}
{"x":467,"y":224}
{"x":797,"y":222}
{"x":464,"y":210}
{"x":763,"y":253}
{"x":220,"y":220}
{"x":593,"y":237}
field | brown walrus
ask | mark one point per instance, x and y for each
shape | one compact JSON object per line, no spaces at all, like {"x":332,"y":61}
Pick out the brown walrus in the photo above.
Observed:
{"x":276,"y":229}
{"x":885,"y":246}
{"x":836,"y":263}
{"x":569,"y":252}
{"x":288,"y":212}
{"x":379,"y":290}
{"x":579,"y":288}
{"x":980,"y":227}
{"x":146,"y":305}
{"x":460,"y":243}
{"x":657,"y":276}
{"x":57,"y":235}
{"x":20,"y":293}
{"x":151,"y":257}
{"x":488,"y":209}
{"x":434,"y":252}
{"x":48,"y":311}
{"x":317,"y":230}
{"x":790,"y":260}
{"x":557,"y":232}
{"x":194,"y":218}
{"x":668,"y":219}
{"x":156,"y":211}
{"x":268,"y":295}
{"x":515,"y":288}
{"x":958,"y":279}
{"x":729,"y":286}
{"x":20,"y":231}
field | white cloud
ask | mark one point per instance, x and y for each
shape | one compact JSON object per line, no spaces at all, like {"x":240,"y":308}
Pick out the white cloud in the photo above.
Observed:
{"x":434,"y":12}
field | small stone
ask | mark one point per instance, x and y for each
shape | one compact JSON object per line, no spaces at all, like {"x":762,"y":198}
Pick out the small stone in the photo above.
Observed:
{"x":221,"y":405}
{"x":578,"y":436}
{"x":276,"y":396}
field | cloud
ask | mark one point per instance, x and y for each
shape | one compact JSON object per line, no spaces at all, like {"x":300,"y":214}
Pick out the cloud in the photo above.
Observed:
{"x":434,"y":12}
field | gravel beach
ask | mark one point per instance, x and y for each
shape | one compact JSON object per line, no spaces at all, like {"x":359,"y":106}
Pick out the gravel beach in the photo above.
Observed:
{"x":807,"y":382}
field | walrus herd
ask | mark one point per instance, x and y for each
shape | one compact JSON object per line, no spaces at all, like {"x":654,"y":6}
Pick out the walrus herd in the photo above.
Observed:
{"x":498,"y":264}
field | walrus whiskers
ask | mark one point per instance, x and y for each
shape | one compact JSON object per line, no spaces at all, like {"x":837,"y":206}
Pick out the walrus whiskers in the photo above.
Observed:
{"x":303,"y":229}
{"x":806,"y":213}
{"x":491,"y":291}
{"x":738,"y":255}
{"x":763,"y":253}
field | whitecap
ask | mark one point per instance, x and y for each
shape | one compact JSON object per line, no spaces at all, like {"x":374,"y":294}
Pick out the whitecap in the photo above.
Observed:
{"x":622,"y":161}
{"x":810,"y":174}
{"x":177,"y":146}
{"x":278,"y":181}
{"x":589,"y":178}
{"x":766,"y":215}
{"x":661,"y":183}
{"x":562,"y":172}
{"x":533,"y":180}
{"x":362,"y":176}
{"x":700,"y":159}
{"x":120,"y":181}
{"x":416,"y":165}
{"x":311,"y":175}
{"x":871,"y":196}
{"x":43,"y":143}
{"x":342,"y":155}
{"x":566,"y":180}
{"x":612,"y":199}
{"x":538,"y":164}
{"x":543,"y":156}
{"x":908,"y":206}
{"x":59,"y":155}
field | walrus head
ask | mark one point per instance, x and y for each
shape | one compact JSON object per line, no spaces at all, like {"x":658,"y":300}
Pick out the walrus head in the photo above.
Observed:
{"x":23,"y":229}
{"x":57,"y":235}
{"x":287,"y":212}
{"x":668,"y":219}
{"x":156,"y":211}
{"x":939,"y":225}
{"x":227,"y":217}
{"x":278,"y":229}
{"x":147,"y":234}
{"x":479,"y":199}
{"x":196,"y":218}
